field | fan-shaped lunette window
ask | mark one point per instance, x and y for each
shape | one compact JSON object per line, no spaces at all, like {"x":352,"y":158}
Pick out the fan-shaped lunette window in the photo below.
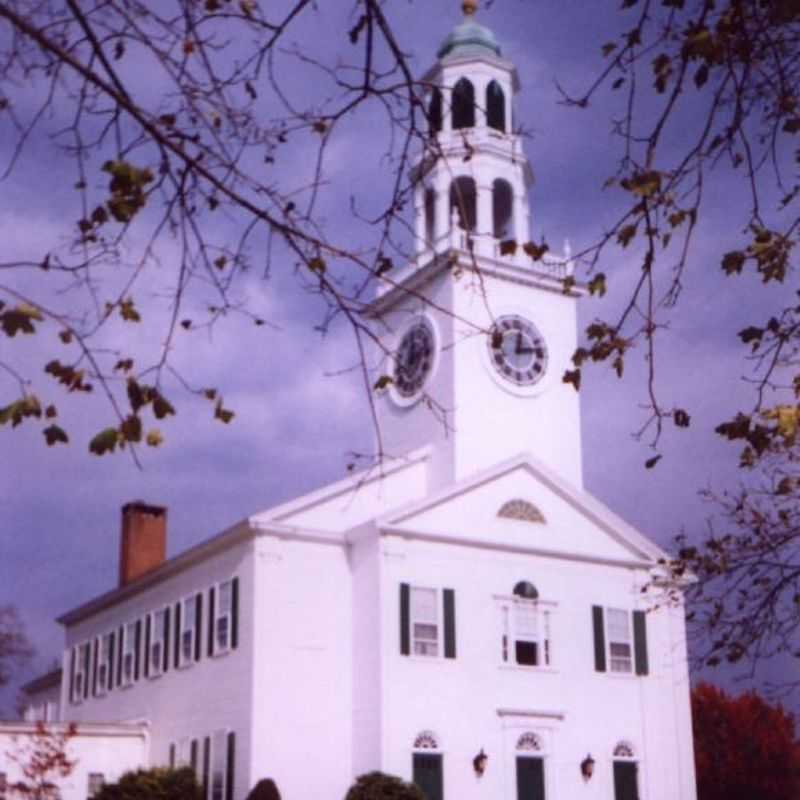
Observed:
{"x":495,"y":107}
{"x":521,"y":510}
{"x":463,"y":105}
{"x":435,"y":111}
{"x":426,"y":740}
{"x":623,"y":750}
{"x":463,"y":199}
{"x":526,"y":590}
{"x":529,"y":742}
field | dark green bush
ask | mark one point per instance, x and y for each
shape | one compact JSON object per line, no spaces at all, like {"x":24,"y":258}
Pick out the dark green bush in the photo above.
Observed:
{"x":379,"y":786}
{"x":160,"y":783}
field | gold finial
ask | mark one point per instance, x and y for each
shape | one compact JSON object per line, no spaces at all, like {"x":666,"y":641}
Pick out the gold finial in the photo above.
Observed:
{"x":470,"y":7}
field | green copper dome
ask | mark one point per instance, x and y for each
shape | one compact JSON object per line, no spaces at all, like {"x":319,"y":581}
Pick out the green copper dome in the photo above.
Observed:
{"x":469,"y":39}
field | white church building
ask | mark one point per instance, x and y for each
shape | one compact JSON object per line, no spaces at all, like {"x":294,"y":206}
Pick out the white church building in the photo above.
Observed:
{"x":467,"y":616}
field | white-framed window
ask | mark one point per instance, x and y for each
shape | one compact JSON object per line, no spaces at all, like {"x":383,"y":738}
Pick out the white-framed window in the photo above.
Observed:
{"x":158,"y":635}
{"x":189,"y":633}
{"x":525,"y":628}
{"x":104,"y":663}
{"x":129,"y":654}
{"x":95,"y":783}
{"x":619,"y":640}
{"x":219,"y":758}
{"x":425,"y":623}
{"x":223,"y":617}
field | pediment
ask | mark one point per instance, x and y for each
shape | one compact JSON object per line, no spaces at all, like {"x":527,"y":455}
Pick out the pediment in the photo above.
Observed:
{"x":523,"y":505}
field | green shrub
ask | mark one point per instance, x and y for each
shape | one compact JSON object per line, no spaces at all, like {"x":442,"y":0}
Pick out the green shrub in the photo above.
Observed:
{"x":160,"y":783}
{"x":379,"y":786}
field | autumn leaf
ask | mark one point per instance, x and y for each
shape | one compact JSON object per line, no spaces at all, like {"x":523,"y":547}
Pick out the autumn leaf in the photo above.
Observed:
{"x":53,"y":435}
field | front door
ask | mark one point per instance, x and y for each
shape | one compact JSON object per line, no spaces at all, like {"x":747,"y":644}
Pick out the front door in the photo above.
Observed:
{"x":427,"y":769}
{"x":530,"y":778}
{"x":625,"y":782}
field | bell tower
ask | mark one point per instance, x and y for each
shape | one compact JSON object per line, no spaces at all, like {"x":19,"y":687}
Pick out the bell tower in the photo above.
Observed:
{"x":478,"y":328}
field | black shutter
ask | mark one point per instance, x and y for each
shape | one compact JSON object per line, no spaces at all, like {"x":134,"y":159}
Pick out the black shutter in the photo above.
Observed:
{"x":120,"y":653}
{"x":165,"y":644}
{"x":640,"y":642}
{"x":599,"y":639}
{"x":198,"y":626}
{"x":229,"y":765}
{"x":625,"y":782}
{"x":95,"y":656}
{"x":72,"y":675}
{"x":137,"y":646}
{"x":86,"y":672}
{"x":235,"y":613}
{"x":449,"y":623}
{"x":427,"y":774}
{"x":206,"y":764}
{"x":211,"y":621}
{"x":177,"y":634}
{"x":172,"y":756}
{"x":193,"y":756}
{"x":530,"y":778}
{"x":405,"y":633}
{"x":112,"y":642}
{"x":147,"y":646}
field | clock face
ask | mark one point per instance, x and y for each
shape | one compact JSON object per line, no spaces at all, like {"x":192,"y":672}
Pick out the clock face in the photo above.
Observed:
{"x":414,"y":359}
{"x":517,"y":350}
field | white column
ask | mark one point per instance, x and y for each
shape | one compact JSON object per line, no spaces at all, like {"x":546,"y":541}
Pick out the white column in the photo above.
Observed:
{"x":419,"y":218}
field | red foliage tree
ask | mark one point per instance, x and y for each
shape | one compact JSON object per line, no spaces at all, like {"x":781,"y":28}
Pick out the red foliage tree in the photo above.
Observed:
{"x":43,"y":759}
{"x":744,"y":748}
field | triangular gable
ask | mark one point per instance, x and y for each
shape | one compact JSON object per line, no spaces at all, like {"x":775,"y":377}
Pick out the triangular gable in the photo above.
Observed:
{"x":349,"y":503}
{"x":574,"y":523}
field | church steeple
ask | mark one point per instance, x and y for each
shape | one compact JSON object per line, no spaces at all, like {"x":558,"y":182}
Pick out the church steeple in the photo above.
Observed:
{"x":476,"y":334}
{"x":472,"y":187}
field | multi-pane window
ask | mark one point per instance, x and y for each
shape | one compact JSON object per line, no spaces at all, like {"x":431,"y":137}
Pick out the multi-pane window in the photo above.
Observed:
{"x":525,"y":636}
{"x":105,"y":655}
{"x":620,"y":649}
{"x":424,"y":612}
{"x":223,"y":617}
{"x":129,"y":654}
{"x":188,"y":631}
{"x":157,"y":642}
{"x":96,"y":782}
{"x":218,"y":765}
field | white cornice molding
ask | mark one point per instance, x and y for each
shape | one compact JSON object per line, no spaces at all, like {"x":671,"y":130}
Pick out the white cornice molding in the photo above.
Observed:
{"x":510,"y":547}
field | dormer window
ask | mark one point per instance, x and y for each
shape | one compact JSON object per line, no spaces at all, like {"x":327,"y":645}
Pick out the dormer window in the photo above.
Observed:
{"x":463,"y":105}
{"x":495,"y":107}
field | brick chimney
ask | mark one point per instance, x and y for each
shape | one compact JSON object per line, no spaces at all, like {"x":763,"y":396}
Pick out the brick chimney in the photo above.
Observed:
{"x":143,"y":540}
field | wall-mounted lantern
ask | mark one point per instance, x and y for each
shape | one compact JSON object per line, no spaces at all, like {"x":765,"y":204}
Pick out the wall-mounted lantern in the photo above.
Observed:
{"x":587,"y":767}
{"x":479,"y":763}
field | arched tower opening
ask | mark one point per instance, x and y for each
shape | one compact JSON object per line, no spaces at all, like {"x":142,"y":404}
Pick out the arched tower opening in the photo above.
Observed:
{"x":435,"y":111}
{"x":502,"y":206}
{"x":463,"y":198}
{"x":463,"y":104}
{"x":496,"y":106}
{"x":430,"y":216}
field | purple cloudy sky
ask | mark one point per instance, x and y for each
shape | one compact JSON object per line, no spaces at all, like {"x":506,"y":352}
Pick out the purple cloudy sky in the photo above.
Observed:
{"x":296,"y":421}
